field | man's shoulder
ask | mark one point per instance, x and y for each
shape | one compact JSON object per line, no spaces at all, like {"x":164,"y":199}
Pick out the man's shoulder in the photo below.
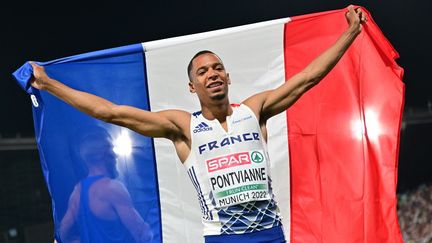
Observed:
{"x":111,"y":188}
{"x":179,"y":117}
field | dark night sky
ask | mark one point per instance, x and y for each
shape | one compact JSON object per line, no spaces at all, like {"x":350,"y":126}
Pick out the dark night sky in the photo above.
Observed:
{"x":44,"y":31}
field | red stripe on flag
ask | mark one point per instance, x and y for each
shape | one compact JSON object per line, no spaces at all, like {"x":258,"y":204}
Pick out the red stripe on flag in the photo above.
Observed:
{"x":344,"y":135}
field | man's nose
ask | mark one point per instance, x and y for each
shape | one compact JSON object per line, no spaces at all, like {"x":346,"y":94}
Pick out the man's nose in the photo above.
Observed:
{"x":212,"y":74}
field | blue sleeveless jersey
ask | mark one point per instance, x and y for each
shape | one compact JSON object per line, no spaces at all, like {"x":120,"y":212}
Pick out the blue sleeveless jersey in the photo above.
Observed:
{"x":93,"y":229}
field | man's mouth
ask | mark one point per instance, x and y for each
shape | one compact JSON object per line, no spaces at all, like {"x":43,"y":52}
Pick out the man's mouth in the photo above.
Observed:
{"x":215,"y":84}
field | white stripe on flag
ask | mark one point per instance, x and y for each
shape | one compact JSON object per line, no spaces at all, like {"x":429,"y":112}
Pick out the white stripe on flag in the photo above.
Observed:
{"x":153,"y":45}
{"x":254,"y":59}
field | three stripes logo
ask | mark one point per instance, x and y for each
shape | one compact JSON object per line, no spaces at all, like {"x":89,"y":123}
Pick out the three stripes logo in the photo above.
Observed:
{"x":202,"y":127}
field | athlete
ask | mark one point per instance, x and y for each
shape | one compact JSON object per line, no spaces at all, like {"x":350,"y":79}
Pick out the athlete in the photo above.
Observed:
{"x":223,"y":147}
{"x":100,"y":208}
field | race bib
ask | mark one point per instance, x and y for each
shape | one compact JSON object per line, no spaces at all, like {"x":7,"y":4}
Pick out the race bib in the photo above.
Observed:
{"x":238,"y":178}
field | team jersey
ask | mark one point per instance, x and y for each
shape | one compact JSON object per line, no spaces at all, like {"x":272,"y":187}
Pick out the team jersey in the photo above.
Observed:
{"x":230,"y":172}
{"x":93,"y":229}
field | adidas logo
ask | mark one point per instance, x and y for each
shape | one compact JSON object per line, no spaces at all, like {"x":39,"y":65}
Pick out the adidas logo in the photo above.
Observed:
{"x":202,"y":127}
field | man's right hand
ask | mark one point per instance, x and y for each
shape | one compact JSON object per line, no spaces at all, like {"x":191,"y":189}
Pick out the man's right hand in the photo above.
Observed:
{"x":39,"y":78}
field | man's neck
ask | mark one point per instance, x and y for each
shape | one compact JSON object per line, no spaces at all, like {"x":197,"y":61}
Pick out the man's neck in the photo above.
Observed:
{"x":96,"y":170}
{"x":217,"y":111}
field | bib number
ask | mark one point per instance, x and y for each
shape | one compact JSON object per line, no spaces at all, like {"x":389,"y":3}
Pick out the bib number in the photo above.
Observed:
{"x":238,"y":178}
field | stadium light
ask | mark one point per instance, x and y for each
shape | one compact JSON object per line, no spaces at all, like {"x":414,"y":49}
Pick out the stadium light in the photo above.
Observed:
{"x":370,"y":126}
{"x":123,"y":144}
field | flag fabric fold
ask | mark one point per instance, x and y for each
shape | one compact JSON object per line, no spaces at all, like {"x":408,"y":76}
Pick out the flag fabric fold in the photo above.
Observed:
{"x":344,"y":136}
{"x":333,"y":153}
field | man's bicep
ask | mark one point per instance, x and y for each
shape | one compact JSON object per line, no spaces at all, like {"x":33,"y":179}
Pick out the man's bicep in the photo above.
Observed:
{"x":69,"y":220}
{"x":152,"y":124}
{"x":281,"y":98}
{"x":129,"y":216}
{"x":256,"y":102}
{"x":121,"y":200}
{"x":73,"y":204}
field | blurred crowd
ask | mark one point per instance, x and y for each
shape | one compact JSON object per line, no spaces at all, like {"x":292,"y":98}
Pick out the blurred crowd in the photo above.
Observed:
{"x":415,"y":214}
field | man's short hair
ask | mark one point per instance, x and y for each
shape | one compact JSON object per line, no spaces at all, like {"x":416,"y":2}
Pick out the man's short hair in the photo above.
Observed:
{"x":189,"y":67}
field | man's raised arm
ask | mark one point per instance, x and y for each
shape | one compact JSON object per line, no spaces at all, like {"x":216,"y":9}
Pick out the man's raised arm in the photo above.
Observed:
{"x":120,"y":200}
{"x":165,"y":124}
{"x":69,"y":231}
{"x":272,"y":102}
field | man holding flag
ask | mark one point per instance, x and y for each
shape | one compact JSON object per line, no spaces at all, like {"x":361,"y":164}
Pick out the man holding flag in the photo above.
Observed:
{"x":223,"y":146}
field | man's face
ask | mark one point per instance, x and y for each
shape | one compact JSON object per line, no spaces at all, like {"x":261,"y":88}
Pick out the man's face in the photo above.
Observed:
{"x":209,"y":78}
{"x":111,"y":162}
{"x":109,"y":158}
{"x":99,"y":153}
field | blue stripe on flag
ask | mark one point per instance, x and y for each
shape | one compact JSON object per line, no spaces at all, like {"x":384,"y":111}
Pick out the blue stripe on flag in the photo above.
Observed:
{"x":117,"y":74}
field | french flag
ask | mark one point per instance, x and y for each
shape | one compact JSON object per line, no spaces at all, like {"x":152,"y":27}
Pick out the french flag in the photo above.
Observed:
{"x":334,"y":153}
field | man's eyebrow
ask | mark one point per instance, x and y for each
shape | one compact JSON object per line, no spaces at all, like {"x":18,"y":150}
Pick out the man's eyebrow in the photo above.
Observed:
{"x":210,"y":65}
{"x":218,"y":64}
{"x":201,"y":68}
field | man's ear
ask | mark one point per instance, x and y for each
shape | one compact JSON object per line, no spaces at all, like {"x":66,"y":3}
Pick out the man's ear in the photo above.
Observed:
{"x":229,"y":80}
{"x":191,"y":87}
